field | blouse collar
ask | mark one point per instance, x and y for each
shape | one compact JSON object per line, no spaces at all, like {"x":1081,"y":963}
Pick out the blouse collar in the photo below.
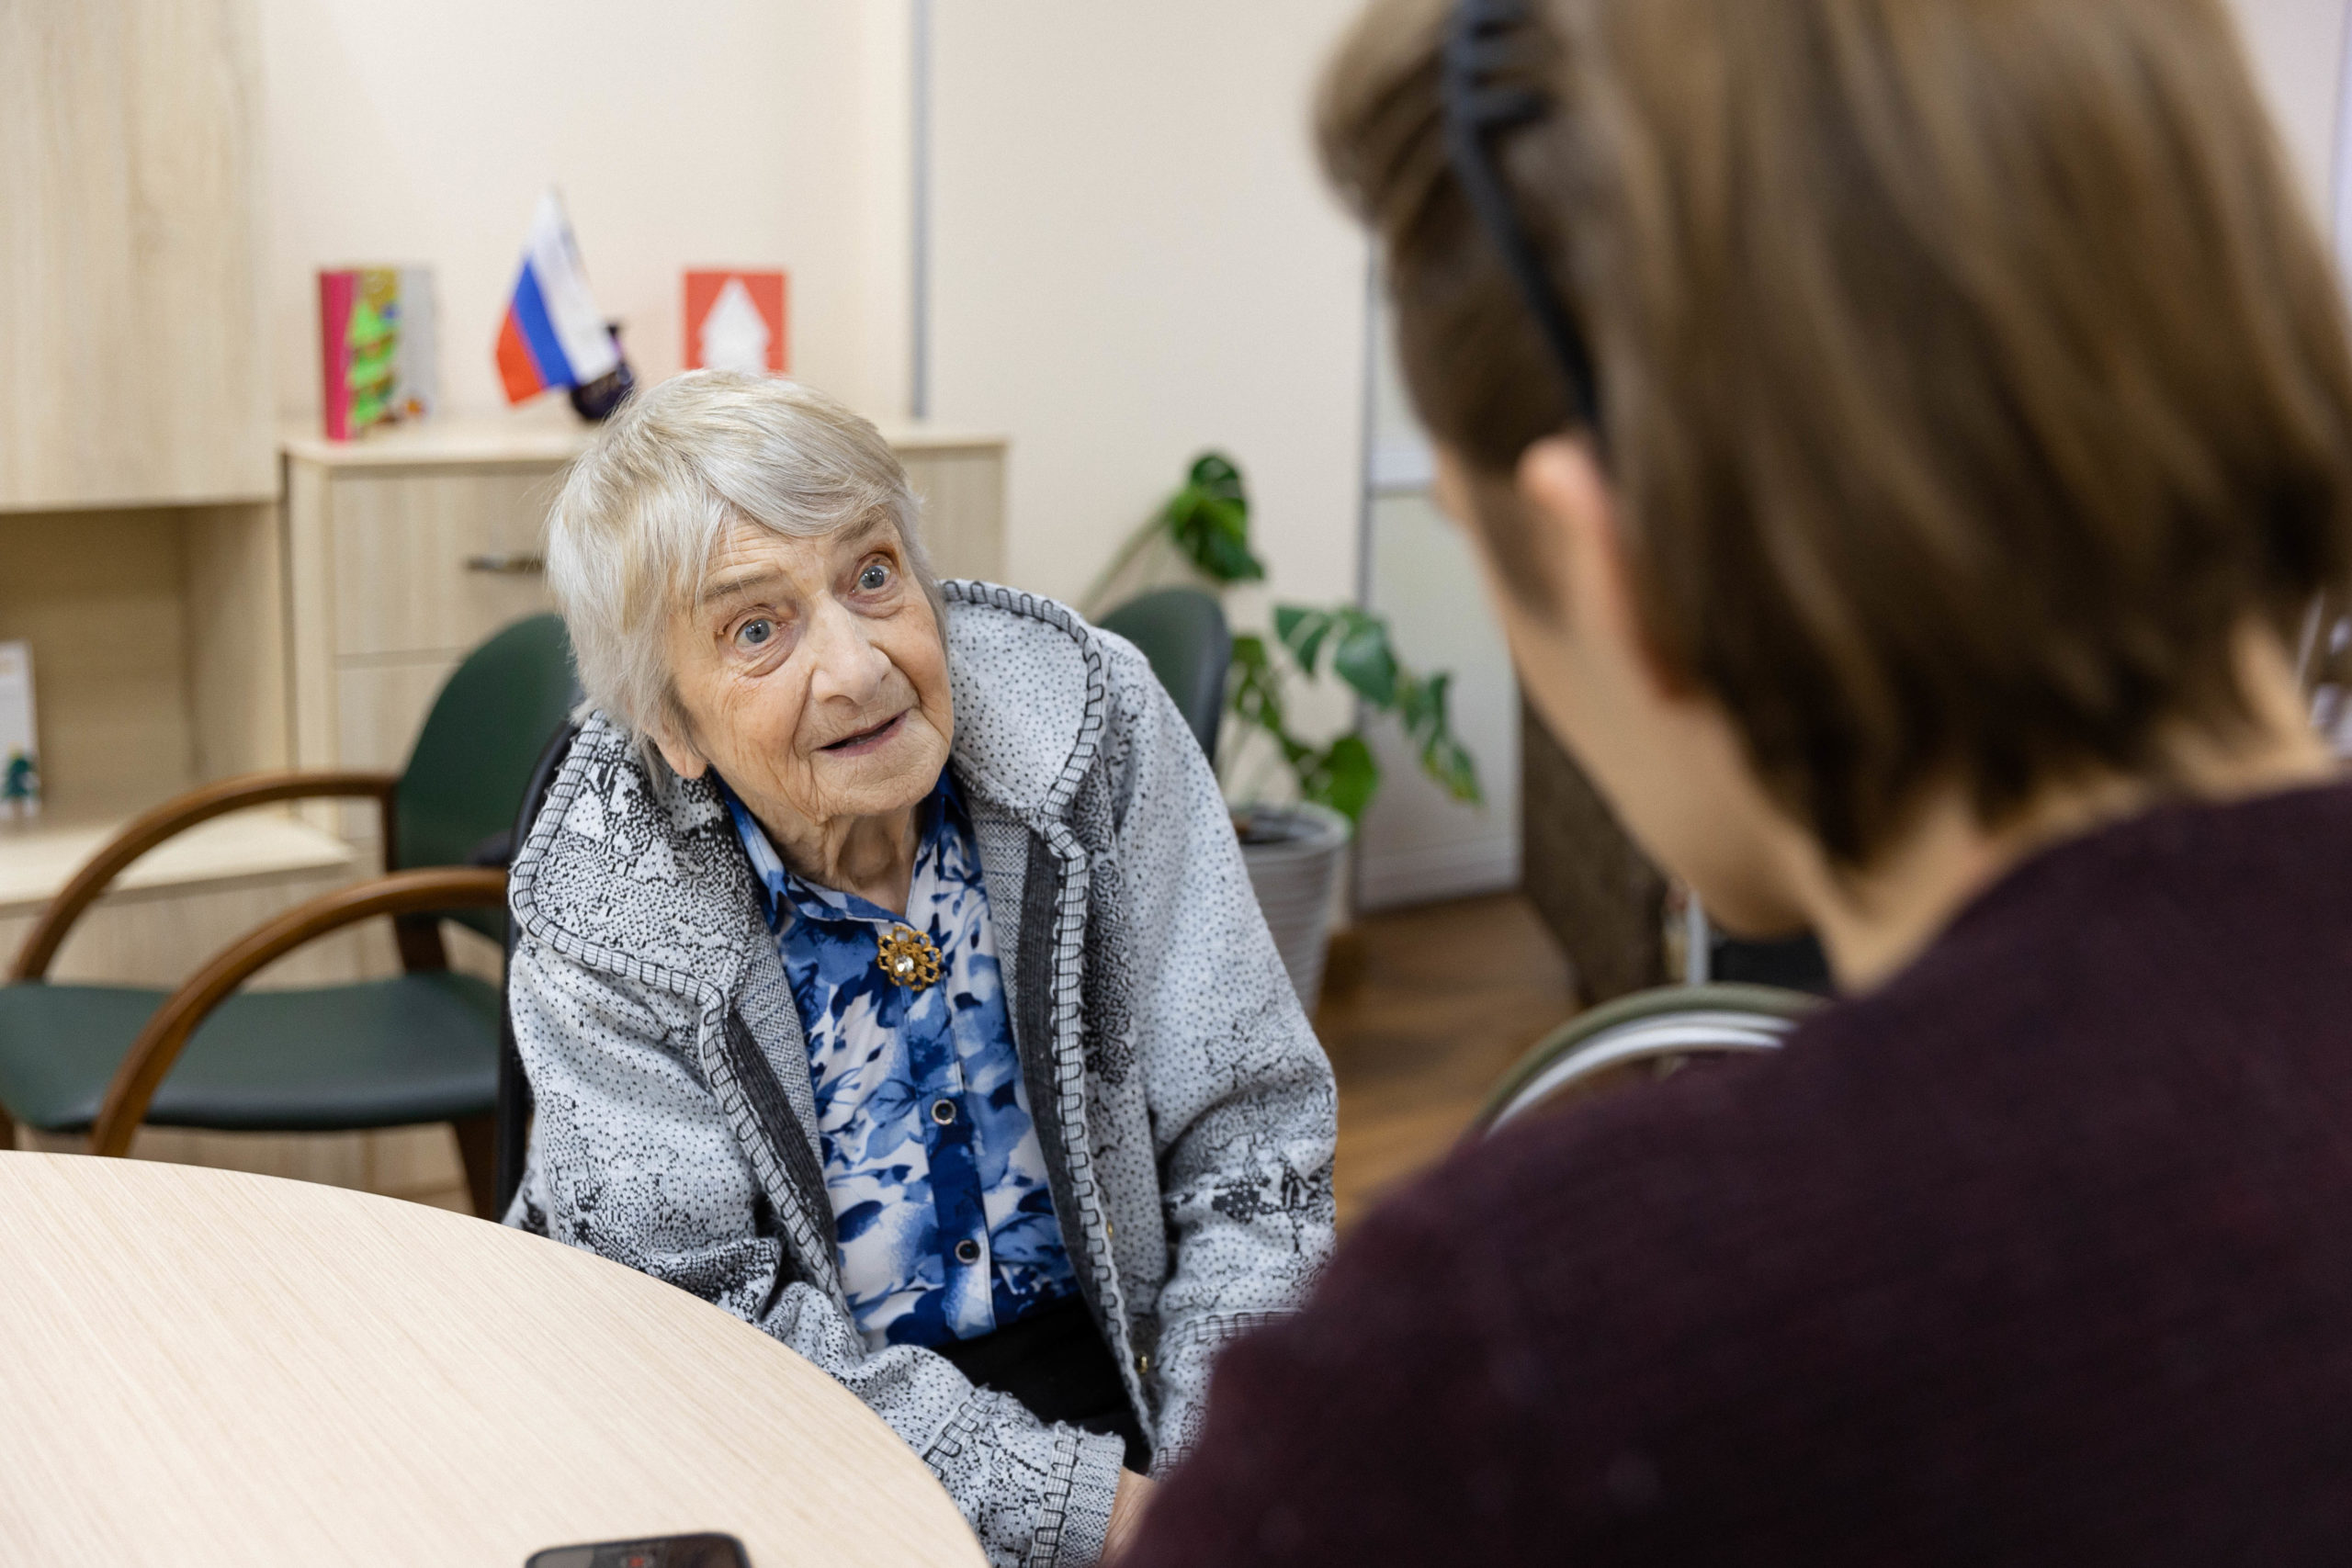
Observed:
{"x":782,"y":889}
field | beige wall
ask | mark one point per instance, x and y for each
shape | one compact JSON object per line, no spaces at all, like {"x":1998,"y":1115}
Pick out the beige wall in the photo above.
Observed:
{"x":724,"y":132}
{"x":1135,"y":260}
{"x":2297,"y":48}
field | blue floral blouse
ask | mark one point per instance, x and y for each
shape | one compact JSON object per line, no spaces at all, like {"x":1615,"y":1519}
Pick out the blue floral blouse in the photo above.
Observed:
{"x":939,"y":1200}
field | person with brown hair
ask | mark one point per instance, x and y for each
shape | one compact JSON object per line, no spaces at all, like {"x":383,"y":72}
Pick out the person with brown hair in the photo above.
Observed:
{"x":1908,"y":441}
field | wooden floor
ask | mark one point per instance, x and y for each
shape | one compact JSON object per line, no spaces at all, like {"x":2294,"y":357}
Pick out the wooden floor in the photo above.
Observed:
{"x":1423,"y":1010}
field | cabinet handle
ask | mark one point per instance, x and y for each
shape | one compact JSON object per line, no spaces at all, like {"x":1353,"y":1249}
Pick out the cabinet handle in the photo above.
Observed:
{"x":513,"y":564}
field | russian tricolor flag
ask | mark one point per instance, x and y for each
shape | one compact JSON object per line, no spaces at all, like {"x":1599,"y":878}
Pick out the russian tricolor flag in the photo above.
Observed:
{"x":553,"y":334}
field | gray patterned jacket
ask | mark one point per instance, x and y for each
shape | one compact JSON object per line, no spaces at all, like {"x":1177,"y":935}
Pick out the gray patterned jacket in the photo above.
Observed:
{"x":1186,"y":1111}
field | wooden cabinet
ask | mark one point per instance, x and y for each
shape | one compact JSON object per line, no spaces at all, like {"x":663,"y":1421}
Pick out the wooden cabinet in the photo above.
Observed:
{"x":176,"y":905}
{"x":138,"y":552}
{"x":404,"y":551}
{"x":138,"y":530}
{"x":407,"y":548}
{"x":425,"y":560}
{"x":132,"y":359}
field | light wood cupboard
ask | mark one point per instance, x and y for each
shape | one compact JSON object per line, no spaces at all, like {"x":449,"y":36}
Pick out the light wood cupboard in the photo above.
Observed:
{"x":139,"y":554}
{"x":131,"y":351}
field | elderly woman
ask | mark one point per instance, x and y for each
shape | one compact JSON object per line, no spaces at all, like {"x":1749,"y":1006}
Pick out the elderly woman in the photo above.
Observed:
{"x":887,"y":974}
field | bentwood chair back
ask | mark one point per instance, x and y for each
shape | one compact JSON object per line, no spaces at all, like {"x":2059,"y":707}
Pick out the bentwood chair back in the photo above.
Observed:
{"x":1647,"y":1034}
{"x":416,"y":1047}
{"x":1182,"y":632}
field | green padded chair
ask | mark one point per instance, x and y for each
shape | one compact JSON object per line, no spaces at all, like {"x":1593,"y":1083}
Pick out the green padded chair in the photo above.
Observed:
{"x":421,"y":1047}
{"x":1182,"y":632}
{"x":1654,"y":1032}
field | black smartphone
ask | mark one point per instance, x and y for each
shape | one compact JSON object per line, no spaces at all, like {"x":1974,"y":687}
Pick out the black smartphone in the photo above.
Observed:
{"x":660,"y":1551}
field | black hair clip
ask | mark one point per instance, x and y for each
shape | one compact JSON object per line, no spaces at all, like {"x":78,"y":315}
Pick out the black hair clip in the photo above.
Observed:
{"x":1477,"y":49}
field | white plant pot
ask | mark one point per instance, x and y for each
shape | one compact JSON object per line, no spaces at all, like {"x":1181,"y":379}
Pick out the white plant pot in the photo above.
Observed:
{"x":1294,"y":854}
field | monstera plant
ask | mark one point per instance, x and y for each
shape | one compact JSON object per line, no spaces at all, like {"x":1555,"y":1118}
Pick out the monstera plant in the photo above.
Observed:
{"x":1208,"y":522}
{"x":1293,"y":851}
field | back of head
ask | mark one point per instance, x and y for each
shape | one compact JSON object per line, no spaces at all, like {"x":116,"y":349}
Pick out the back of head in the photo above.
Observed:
{"x":1969,"y":373}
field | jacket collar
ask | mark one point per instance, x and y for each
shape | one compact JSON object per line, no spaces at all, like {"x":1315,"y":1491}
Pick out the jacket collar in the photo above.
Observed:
{"x":1030,"y":697}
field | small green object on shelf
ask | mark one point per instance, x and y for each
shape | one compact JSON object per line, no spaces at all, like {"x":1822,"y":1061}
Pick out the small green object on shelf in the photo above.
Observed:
{"x":19,"y":770}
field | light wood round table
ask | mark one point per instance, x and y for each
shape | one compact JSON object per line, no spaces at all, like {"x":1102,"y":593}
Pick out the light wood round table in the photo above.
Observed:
{"x":201,"y":1367}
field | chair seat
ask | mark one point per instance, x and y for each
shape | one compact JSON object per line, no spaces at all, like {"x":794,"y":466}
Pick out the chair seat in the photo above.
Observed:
{"x":336,"y":1058}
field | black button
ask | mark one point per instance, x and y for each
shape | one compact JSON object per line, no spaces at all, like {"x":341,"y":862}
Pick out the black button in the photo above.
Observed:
{"x":943,"y":1111}
{"x":967,"y":1251}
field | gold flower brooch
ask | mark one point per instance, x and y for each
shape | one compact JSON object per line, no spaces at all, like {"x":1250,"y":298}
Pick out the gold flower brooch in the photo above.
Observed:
{"x":907,"y":956}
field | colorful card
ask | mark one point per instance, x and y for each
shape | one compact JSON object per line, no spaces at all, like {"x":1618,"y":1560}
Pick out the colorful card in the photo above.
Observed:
{"x":375,"y":343}
{"x":20,"y":748}
{"x":735,"y":320}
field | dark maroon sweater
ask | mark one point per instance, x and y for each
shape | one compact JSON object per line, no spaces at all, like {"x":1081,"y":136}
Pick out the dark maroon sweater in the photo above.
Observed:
{"x":2040,"y":1253}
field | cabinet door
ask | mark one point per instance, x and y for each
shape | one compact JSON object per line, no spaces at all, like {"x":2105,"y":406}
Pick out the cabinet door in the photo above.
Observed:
{"x":133,"y":362}
{"x":435,"y":560}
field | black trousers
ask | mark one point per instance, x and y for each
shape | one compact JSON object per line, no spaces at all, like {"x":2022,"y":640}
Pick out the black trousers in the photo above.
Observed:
{"x":1054,"y":1363}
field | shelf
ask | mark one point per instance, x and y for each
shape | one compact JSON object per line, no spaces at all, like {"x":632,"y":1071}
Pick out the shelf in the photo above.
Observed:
{"x":37,"y":858}
{"x":548,"y":435}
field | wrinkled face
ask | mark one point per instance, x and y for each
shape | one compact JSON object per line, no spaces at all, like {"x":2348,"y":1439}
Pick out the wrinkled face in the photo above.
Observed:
{"x":813,"y":677}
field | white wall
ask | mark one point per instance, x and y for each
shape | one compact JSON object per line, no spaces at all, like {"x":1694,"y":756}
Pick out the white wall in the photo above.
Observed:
{"x":743,"y":132}
{"x":1135,"y":259}
{"x":1417,"y":844}
{"x":2297,"y":50}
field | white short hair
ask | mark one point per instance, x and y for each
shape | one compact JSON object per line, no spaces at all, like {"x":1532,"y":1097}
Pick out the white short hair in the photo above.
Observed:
{"x":679,"y":467}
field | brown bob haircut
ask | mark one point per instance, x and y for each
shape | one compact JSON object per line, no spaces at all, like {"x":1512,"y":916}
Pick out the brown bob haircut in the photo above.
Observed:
{"x":1968,"y":372}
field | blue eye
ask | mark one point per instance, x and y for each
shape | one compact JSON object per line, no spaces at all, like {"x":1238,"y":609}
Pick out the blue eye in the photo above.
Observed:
{"x":755,"y":633}
{"x":875,"y":578}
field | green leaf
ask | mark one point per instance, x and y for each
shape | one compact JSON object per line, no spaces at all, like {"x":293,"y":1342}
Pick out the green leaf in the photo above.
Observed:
{"x":1215,"y":536}
{"x":1209,"y":520}
{"x":1344,"y":778}
{"x":1444,"y":760}
{"x":1420,"y":703}
{"x":1215,"y":473}
{"x":1303,"y":631}
{"x":1345,"y":775}
{"x":1365,"y":662}
{"x":1253,"y":688}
